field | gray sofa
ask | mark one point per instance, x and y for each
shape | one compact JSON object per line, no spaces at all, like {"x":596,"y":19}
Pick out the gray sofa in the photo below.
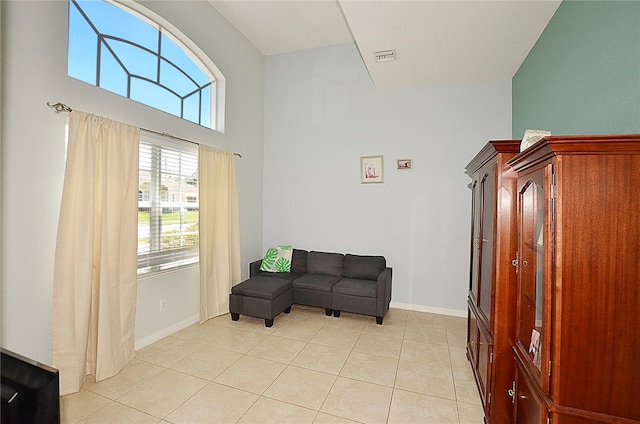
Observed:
{"x":333,"y":281}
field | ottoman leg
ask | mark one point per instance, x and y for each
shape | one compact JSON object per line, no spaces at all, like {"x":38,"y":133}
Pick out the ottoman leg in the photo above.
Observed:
{"x":379,"y":320}
{"x":268,"y":322}
{"x":328,"y":311}
{"x":288,"y":310}
{"x":235,"y":317}
{"x":336,"y":313}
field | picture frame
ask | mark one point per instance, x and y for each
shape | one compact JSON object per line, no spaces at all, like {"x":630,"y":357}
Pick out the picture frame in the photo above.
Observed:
{"x":371,"y":169}
{"x":404,"y":164}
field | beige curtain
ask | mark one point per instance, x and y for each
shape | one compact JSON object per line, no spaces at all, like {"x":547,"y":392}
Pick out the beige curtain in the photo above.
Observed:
{"x":219,"y":231}
{"x":94,"y":287}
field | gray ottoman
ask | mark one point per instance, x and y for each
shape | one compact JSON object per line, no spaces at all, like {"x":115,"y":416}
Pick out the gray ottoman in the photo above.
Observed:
{"x":261,"y":297}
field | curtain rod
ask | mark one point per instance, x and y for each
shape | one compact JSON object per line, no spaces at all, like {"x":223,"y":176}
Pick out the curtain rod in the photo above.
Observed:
{"x":61,"y":107}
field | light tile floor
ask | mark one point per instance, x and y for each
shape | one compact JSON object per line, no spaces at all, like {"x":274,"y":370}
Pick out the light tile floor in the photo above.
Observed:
{"x":307,"y":368}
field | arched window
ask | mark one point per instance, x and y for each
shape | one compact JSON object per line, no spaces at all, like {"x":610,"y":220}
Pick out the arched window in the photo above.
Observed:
{"x":142,"y":57}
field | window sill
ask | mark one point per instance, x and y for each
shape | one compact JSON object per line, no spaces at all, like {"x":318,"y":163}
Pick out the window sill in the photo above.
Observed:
{"x":150,"y":272}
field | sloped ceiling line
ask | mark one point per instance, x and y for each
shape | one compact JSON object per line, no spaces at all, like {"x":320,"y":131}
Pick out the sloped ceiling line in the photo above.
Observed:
{"x":437,"y":42}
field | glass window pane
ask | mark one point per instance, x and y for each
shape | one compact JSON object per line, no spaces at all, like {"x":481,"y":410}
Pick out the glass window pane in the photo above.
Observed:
{"x":155,"y":96}
{"x":112,"y":76}
{"x":179,"y":58}
{"x":172,"y":78}
{"x":137,"y":61}
{"x":83,"y":43}
{"x":114,"y":21}
{"x":191,"y":110}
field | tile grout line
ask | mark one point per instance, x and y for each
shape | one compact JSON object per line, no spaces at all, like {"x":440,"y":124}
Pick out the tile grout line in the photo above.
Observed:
{"x":453,"y":335}
{"x":262,"y":395}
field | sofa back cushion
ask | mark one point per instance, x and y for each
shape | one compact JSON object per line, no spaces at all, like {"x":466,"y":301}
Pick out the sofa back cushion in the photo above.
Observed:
{"x":363,"y":267}
{"x":325,"y":263}
{"x":299,"y":261}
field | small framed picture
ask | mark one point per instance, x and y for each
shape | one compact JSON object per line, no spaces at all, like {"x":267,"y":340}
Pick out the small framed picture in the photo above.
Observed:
{"x":371,"y":169}
{"x":404,"y":163}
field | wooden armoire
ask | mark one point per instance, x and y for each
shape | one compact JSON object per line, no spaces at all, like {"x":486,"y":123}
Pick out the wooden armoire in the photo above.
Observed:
{"x":575,"y":319}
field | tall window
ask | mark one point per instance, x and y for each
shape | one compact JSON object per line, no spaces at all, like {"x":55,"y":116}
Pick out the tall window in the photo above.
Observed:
{"x":126,"y":52}
{"x":167,"y":205}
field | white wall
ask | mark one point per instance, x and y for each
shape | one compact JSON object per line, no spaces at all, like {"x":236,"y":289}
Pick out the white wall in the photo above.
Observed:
{"x":322,"y":114}
{"x":34,"y":42}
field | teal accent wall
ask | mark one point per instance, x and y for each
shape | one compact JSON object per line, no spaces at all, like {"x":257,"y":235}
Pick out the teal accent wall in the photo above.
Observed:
{"x":583,"y":74}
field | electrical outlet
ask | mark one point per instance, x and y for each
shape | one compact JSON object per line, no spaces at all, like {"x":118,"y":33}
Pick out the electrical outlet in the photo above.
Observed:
{"x":163,"y":305}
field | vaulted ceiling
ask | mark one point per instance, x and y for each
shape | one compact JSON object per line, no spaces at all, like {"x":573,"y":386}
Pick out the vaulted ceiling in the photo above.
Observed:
{"x":435,"y":42}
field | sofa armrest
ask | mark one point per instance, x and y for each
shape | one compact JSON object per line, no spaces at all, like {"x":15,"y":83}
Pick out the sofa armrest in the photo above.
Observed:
{"x":254,"y":268}
{"x":384,"y":291}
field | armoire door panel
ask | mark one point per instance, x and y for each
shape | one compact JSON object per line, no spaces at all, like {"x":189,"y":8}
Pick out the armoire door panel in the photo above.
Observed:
{"x":485,"y":242}
{"x":492,"y":279}
{"x":527,"y":408}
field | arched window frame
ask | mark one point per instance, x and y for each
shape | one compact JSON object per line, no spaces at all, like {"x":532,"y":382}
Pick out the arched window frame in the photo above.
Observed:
{"x":218,"y":85}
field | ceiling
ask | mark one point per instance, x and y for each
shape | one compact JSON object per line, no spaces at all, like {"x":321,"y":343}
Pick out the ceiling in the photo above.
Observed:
{"x":436,"y":42}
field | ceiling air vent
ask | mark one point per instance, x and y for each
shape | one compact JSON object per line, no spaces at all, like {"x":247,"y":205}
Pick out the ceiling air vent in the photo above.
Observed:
{"x":385,"y":55}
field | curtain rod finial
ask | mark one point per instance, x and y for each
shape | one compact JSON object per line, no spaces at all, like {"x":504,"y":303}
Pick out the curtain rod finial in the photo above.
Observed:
{"x":59,"y":107}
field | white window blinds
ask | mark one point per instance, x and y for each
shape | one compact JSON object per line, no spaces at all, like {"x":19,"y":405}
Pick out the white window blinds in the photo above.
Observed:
{"x":167,"y":204}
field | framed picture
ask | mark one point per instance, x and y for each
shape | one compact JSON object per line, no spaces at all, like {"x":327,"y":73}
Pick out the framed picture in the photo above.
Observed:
{"x":404,"y":163}
{"x":371,"y":169}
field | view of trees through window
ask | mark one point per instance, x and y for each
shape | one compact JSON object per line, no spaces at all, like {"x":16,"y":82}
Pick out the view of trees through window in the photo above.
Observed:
{"x":168,"y":208}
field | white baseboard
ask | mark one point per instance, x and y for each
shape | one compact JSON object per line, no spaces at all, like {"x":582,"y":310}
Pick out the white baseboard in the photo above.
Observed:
{"x":139,"y":344}
{"x":429,"y":309}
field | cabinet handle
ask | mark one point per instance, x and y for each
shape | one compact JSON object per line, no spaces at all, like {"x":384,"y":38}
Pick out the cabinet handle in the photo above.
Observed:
{"x":512,"y":392}
{"x":479,"y":242}
{"x":525,"y":263}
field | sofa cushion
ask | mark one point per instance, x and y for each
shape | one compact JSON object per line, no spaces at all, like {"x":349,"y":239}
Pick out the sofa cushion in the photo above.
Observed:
{"x":356,"y":287}
{"x":289,"y":276}
{"x":299,"y":261}
{"x":325,"y":263}
{"x":317,"y":282}
{"x":363,"y":267}
{"x":277,"y":259}
{"x":262,"y":287}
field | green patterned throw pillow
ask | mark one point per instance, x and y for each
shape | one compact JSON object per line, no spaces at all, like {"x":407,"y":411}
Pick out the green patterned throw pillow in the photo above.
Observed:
{"x":277,"y":259}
